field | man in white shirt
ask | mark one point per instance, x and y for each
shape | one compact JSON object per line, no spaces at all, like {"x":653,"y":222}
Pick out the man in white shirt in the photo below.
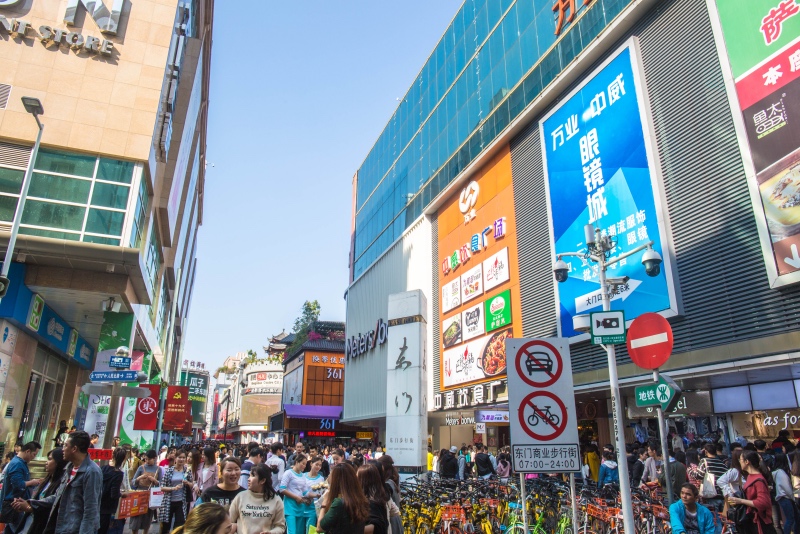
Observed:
{"x":277,"y":464}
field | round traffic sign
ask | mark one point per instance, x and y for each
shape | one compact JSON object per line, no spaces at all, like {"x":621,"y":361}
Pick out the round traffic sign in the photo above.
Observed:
{"x":538,"y":363}
{"x":650,"y":341}
{"x":543,"y":416}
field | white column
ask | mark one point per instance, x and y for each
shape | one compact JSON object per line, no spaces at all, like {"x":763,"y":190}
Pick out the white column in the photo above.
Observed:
{"x":406,"y":384}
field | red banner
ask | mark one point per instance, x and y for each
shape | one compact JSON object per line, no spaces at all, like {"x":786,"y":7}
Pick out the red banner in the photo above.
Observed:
{"x":177,"y":408}
{"x":147,"y":409}
{"x":100,"y":454}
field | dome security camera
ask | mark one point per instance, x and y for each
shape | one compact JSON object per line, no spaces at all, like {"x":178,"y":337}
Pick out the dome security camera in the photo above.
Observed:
{"x":561,"y":270}
{"x":652,"y":262}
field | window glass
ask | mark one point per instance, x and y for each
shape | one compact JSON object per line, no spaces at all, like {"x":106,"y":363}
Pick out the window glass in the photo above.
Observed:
{"x":8,"y":205}
{"x":55,"y":161}
{"x":54,"y":215}
{"x":115,"y":171}
{"x":110,"y":196}
{"x":55,"y":234}
{"x":11,"y":180}
{"x":59,"y":188}
{"x":101,"y":240}
{"x":105,"y":222}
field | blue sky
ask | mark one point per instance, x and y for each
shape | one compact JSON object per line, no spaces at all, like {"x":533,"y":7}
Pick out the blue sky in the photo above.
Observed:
{"x":300,"y":91}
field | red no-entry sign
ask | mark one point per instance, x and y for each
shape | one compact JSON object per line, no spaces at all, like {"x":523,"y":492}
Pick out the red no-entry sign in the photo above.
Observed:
{"x":650,"y":341}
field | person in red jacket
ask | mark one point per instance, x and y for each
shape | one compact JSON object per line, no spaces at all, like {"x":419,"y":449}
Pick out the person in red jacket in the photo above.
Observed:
{"x":756,"y":496}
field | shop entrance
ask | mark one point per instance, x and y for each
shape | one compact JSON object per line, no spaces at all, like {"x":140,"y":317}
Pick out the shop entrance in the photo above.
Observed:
{"x":503,"y":436}
{"x":43,"y":399}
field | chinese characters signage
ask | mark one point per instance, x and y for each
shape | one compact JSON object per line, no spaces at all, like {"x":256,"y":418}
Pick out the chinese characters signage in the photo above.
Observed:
{"x":177,"y":410}
{"x":478,"y":276}
{"x":197,"y":382}
{"x":600,"y":170}
{"x":762,"y":38}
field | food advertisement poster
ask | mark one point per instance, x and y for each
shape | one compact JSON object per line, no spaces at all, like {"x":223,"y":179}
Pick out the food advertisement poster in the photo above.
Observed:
{"x":761,"y":42}
{"x":480,"y":359}
{"x":472,"y":319}
{"x":451,"y":330}
{"x":478,"y":262}
{"x":498,"y":311}
{"x":600,"y":170}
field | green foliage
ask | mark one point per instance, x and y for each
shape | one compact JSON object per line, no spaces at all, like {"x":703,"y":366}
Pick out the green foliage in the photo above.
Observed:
{"x":302,"y":325}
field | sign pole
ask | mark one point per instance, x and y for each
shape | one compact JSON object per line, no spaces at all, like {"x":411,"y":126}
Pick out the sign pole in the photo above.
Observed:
{"x":613,"y":378}
{"x":524,"y":503}
{"x":662,"y":430}
{"x":574,"y":498}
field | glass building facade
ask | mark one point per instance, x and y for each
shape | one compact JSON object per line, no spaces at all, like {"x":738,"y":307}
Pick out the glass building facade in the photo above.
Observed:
{"x":494,"y":59}
{"x":71,"y":196}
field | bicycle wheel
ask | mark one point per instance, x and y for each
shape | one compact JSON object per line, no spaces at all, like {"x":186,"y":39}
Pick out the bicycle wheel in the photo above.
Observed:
{"x":516,"y":529}
{"x":555,"y":419}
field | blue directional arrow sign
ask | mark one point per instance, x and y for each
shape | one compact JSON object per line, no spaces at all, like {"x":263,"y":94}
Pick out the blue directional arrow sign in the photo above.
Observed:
{"x":113,"y":376}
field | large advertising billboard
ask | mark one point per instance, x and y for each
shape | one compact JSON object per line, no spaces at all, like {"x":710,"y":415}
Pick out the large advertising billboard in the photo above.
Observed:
{"x":197,"y":382}
{"x":600,"y":170}
{"x":480,"y":305}
{"x":760,"y":41}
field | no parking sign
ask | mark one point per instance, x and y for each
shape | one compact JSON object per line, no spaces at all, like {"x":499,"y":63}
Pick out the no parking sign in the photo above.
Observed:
{"x":544,"y":426}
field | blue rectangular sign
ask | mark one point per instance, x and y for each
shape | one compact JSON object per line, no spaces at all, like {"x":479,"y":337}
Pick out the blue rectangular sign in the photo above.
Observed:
{"x":119,"y":362}
{"x":113,"y":376}
{"x":600,"y":170}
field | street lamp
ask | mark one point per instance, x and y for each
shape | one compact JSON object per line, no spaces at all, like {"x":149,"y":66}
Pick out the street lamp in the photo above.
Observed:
{"x":34,"y":107}
{"x":599,"y":248}
{"x":227,"y":414}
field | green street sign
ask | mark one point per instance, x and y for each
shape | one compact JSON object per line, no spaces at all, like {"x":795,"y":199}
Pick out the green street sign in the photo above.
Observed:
{"x":607,"y":328}
{"x":664,"y":393}
{"x":497,"y":311}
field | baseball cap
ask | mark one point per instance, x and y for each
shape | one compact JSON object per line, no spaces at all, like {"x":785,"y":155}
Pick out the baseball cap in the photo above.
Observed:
{"x":163,"y":447}
{"x":454,"y":449}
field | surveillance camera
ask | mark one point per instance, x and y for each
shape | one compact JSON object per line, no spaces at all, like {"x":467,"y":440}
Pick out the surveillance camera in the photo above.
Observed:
{"x":652,"y":262}
{"x":561,"y":270}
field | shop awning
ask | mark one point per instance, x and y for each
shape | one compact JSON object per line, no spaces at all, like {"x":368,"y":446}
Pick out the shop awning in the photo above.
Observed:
{"x":312,"y":411}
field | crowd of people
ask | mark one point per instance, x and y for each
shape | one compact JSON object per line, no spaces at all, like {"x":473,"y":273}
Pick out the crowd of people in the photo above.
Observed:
{"x":204,"y":489}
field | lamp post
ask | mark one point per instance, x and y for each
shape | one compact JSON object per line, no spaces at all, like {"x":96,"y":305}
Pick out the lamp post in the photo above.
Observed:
{"x":227,"y":414}
{"x":34,"y":107}
{"x":599,"y":249}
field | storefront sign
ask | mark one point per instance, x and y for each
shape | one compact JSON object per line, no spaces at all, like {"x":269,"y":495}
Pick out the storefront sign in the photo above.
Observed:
{"x":762,"y":41}
{"x":689,"y":403}
{"x":35,"y":312}
{"x":495,"y":270}
{"x":473,"y":321}
{"x":487,"y":416}
{"x":477,"y":395}
{"x":477,"y":243}
{"x":459,"y":420}
{"x":198,"y":394}
{"x":363,"y":343}
{"x":320,"y":434}
{"x":364,"y":435}
{"x":479,"y":359}
{"x":451,"y":330}
{"x":600,"y":170}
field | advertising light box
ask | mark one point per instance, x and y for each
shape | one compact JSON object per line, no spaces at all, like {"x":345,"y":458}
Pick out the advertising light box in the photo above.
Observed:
{"x":600,"y":170}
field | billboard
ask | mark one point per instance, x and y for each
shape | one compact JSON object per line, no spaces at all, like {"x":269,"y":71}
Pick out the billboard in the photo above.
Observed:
{"x":760,"y":41}
{"x":478,"y":277}
{"x":197,"y":382}
{"x":600,"y":170}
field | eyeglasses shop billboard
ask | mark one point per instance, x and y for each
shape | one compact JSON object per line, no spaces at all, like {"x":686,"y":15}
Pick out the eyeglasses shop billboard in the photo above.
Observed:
{"x":762,"y":41}
{"x":600,"y":170}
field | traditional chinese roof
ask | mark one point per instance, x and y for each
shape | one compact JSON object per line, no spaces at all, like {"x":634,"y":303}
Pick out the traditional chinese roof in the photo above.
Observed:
{"x":325,"y":345}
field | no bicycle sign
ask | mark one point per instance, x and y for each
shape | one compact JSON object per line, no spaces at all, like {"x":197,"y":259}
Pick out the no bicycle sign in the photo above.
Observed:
{"x":544,"y":430}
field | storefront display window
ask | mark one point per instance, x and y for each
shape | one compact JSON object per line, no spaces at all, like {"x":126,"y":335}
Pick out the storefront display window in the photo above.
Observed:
{"x":43,"y":398}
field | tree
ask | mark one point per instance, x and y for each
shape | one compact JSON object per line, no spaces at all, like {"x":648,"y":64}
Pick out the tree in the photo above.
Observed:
{"x":302,"y":325}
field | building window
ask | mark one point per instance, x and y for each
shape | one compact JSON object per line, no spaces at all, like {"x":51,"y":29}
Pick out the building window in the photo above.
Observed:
{"x":154,"y":258}
{"x":140,"y":214}
{"x":71,"y":196}
{"x":325,"y":386}
{"x":161,"y":318}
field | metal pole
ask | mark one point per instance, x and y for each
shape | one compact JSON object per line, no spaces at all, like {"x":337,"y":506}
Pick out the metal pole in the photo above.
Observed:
{"x":662,"y":430}
{"x":524,"y":504}
{"x":574,"y":497}
{"x":624,"y":482}
{"x":113,"y":413}
{"x":26,"y":183}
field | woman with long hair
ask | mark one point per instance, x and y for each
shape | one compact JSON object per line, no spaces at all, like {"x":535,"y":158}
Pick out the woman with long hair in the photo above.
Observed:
{"x":208,"y":518}
{"x":313,"y":479}
{"x":228,"y":486}
{"x":195,"y":465}
{"x":391,"y":481}
{"x":731,"y":482}
{"x":258,"y":509}
{"x":55,"y":471}
{"x":174,"y":483}
{"x":372,"y":484}
{"x":758,"y":519}
{"x":293,"y":488}
{"x":344,"y":508}
{"x":112,"y":487}
{"x":208,"y":475}
{"x":784,"y":493}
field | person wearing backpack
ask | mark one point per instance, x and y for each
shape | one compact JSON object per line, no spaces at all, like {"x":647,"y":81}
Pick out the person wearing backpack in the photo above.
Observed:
{"x":711,"y":468}
{"x":758,"y":519}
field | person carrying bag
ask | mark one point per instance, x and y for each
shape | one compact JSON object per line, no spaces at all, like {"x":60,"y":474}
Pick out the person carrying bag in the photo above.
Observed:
{"x":758,"y":516}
